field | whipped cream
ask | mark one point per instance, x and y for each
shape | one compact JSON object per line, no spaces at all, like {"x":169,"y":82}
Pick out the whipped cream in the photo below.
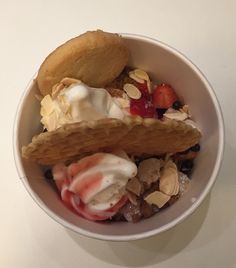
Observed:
{"x":111,"y":174}
{"x":76,"y":103}
{"x":95,"y":185}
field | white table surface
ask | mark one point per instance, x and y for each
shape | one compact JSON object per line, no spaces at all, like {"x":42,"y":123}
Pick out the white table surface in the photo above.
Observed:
{"x":205,"y":31}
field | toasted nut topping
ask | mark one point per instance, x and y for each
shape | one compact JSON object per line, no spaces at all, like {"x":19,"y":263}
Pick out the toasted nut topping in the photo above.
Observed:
{"x":132,"y":91}
{"x":134,"y":186}
{"x":135,"y":78}
{"x":149,"y":87}
{"x":149,"y":170}
{"x":157,"y":198}
{"x":169,"y":183}
{"x":67,"y":81}
{"x":46,"y":106}
{"x":141,"y":74}
{"x":177,"y":115}
{"x":185,"y":109}
{"x":56,"y":89}
{"x":123,"y":103}
{"x":132,"y":198}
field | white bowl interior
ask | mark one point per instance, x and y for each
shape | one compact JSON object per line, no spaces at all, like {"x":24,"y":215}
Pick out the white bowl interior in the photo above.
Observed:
{"x":163,"y":64}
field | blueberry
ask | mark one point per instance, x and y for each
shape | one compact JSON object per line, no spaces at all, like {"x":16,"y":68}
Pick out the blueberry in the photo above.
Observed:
{"x":196,"y":148}
{"x":48,"y":174}
{"x":186,"y":166}
{"x":160,"y":112}
{"x":177,"y":105}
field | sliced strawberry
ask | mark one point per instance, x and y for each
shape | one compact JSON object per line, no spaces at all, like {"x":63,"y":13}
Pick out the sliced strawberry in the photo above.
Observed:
{"x":164,"y":96}
{"x":142,"y":107}
{"x":144,"y":89}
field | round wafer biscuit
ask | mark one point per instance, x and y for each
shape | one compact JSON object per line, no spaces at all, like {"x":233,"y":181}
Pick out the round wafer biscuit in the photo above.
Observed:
{"x":134,"y":135}
{"x":95,"y":57}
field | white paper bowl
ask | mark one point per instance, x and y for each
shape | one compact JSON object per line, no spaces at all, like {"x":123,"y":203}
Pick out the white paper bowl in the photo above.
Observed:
{"x":167,"y":65}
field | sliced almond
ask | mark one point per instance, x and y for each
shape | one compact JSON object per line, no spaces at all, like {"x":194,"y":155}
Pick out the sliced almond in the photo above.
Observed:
{"x":68,"y":81}
{"x":135,"y":186}
{"x":149,"y":170}
{"x":47,"y":106}
{"x":169,"y":183}
{"x":132,"y":198}
{"x":135,"y":78}
{"x":123,"y":103}
{"x":56,"y":89}
{"x":176,"y":115}
{"x":50,"y":121}
{"x":132,"y":91}
{"x":64,"y":104}
{"x":141,"y":74}
{"x":157,"y":198}
{"x":149,"y":87}
{"x":192,"y":124}
{"x":185,"y":109}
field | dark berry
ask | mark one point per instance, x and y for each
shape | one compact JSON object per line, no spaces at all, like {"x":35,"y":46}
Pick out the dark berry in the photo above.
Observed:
{"x":177,"y":105}
{"x":186,"y":166}
{"x":48,"y":174}
{"x":196,"y":148}
{"x":188,"y":163}
{"x":160,"y":112}
{"x":45,"y":130}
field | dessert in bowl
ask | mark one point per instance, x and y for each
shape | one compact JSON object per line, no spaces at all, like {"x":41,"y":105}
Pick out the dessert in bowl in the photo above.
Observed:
{"x":145,"y":148}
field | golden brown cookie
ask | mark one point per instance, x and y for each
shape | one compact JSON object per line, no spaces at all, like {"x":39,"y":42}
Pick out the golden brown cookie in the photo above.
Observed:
{"x":95,"y":57}
{"x":133,"y":134}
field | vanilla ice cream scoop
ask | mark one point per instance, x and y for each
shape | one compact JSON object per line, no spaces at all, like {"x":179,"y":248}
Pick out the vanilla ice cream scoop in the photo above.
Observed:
{"x":95,"y":185}
{"x":76,"y":103}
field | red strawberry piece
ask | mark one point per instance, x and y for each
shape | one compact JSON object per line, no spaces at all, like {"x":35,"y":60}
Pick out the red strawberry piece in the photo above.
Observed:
{"x":144,"y":89}
{"x":142,"y":107}
{"x":164,"y":96}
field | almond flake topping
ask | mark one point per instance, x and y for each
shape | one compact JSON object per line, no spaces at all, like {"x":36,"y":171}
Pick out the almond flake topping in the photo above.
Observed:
{"x":157,"y":198}
{"x":135,"y":78}
{"x":169,"y":180}
{"x":141,"y":74}
{"x":149,"y":170}
{"x":176,"y":115}
{"x":132,"y":91}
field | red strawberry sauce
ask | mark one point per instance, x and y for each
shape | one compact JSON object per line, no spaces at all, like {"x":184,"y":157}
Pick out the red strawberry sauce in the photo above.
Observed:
{"x":143,"y":106}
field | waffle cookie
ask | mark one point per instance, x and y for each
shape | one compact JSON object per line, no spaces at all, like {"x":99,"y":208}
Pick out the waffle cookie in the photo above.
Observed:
{"x":135,"y":135}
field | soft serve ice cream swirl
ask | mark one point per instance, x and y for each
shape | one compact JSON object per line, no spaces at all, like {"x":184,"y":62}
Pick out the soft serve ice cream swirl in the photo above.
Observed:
{"x":76,"y":103}
{"x":95,"y":186}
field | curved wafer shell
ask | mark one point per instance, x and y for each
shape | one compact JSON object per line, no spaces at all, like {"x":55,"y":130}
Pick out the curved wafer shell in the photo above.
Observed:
{"x":133,"y":134}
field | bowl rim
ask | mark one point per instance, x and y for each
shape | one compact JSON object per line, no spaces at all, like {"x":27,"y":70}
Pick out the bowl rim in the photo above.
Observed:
{"x":169,"y":225}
